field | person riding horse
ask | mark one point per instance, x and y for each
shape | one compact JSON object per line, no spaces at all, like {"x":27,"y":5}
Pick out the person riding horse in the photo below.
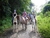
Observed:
{"x":24,"y":15}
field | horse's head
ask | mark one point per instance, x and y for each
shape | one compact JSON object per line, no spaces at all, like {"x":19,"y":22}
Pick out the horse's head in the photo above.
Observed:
{"x":17,"y":17}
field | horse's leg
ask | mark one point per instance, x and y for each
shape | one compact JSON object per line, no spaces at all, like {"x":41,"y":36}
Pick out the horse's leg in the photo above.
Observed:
{"x":22,"y":27}
{"x":30,"y":21}
{"x":26,"y":25}
{"x":33,"y":26}
{"x":15,"y":27}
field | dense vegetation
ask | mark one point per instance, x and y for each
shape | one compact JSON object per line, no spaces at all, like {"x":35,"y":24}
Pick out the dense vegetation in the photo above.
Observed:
{"x":43,"y":21}
{"x":46,"y":8}
{"x":7,"y":8}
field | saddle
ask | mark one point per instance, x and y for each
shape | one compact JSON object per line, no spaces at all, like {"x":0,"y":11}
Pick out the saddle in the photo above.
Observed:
{"x":26,"y":18}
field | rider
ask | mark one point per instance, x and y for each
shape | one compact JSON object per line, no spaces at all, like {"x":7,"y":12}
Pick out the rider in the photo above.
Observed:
{"x":24,"y":14}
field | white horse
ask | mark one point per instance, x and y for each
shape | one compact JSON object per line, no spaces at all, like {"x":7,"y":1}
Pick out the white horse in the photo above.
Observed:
{"x":33,"y":20}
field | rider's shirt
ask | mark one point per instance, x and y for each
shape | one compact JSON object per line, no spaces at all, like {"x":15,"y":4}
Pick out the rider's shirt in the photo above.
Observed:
{"x":29,"y":15}
{"x":24,"y":14}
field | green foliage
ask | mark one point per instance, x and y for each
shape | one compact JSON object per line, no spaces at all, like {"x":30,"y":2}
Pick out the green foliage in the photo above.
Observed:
{"x":7,"y":11}
{"x":7,"y":8}
{"x":43,"y":23}
{"x":19,"y":5}
{"x":49,"y":2}
{"x":47,"y":14}
{"x":6,"y":24}
{"x":46,"y":8}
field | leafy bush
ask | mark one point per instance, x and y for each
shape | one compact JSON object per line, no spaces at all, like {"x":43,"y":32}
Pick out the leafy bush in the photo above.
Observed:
{"x":44,"y":26}
{"x":47,"y":14}
{"x":6,"y":24}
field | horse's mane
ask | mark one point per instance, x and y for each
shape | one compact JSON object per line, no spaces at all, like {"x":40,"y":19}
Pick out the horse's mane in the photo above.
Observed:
{"x":17,"y":17}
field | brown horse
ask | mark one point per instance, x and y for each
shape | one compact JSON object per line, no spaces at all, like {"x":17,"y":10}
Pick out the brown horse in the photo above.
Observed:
{"x":29,"y":19}
{"x":22,"y":20}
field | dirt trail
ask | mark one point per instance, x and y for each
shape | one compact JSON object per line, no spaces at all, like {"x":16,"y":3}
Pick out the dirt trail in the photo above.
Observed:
{"x":24,"y":34}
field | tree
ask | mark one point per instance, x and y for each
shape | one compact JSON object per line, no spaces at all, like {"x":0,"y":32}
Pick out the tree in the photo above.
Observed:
{"x":19,"y":5}
{"x":46,"y":8}
{"x":7,"y":7}
{"x":31,"y":4}
{"x":49,"y":2}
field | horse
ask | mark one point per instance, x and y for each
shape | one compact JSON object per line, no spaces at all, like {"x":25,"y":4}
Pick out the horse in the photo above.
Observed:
{"x":14,"y":23}
{"x":22,"y":20}
{"x":32,"y":21}
{"x":28,"y":19}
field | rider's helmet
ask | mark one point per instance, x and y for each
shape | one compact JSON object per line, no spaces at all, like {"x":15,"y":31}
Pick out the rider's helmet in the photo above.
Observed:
{"x":15,"y":13}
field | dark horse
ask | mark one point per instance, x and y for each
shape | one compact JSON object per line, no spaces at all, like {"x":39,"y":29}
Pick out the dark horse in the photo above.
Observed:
{"x":21,"y":20}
